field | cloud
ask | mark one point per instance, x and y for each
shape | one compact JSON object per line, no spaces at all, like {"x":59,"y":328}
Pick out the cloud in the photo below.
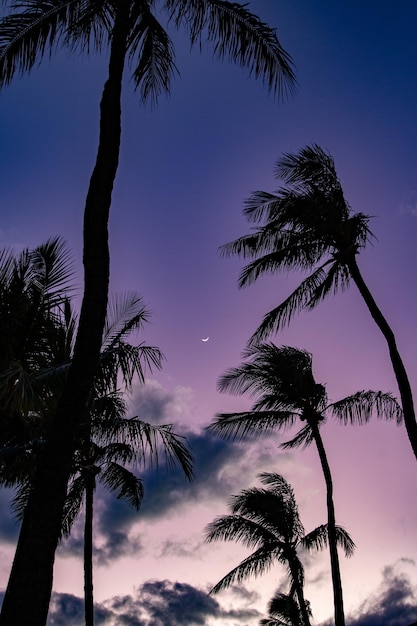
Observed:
{"x":155,"y":404}
{"x":393,"y":604}
{"x":155,"y":603}
{"x":110,"y":543}
{"x":222,"y":468}
{"x":66,"y":609}
{"x":167,"y":603}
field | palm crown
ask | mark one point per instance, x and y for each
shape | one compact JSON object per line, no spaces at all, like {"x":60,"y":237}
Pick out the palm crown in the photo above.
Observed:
{"x":267,"y":520}
{"x":280,"y":381}
{"x":307,"y":225}
{"x":32,"y":28}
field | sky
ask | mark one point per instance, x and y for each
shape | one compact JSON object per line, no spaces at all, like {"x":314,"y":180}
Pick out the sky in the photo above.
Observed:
{"x":185,"y":170}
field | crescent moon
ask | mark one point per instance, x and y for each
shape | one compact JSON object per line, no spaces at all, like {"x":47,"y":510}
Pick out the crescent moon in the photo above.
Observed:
{"x":206,"y":339}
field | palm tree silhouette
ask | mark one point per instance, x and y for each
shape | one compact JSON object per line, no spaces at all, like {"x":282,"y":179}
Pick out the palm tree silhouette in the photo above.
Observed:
{"x":133,"y":34}
{"x":267,"y":520}
{"x":282,"y":383}
{"x":106,"y":456}
{"x":107,"y":443}
{"x":308,"y":225}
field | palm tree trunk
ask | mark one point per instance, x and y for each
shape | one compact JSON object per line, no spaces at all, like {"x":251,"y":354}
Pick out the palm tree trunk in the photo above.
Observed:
{"x":397,"y":364}
{"x":339,"y":615}
{"x":27,"y":596}
{"x":298,"y":588}
{"x":88,"y":549}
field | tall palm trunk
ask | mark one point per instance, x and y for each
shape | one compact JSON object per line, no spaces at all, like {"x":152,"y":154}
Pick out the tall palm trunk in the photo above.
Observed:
{"x":397,"y":364}
{"x":88,"y":547}
{"x":28,"y":592}
{"x":339,"y":616}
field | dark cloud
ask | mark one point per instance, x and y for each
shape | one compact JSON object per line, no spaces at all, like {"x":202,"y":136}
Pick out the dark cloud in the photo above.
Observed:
{"x":155,"y":603}
{"x":110,"y":543}
{"x":167,"y":603}
{"x":394,"y":603}
{"x":68,"y":610}
{"x":169,"y":491}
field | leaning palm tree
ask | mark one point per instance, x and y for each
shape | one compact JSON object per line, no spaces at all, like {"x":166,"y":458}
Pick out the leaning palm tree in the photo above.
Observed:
{"x":282,"y":382}
{"x":308,"y":225}
{"x":267,"y":520}
{"x":131,"y":30}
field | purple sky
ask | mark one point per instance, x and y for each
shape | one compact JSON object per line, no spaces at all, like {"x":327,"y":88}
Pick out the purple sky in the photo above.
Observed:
{"x":185,"y":169}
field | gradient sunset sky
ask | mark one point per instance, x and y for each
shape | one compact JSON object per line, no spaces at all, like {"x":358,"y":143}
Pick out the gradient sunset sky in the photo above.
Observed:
{"x":186,"y":168}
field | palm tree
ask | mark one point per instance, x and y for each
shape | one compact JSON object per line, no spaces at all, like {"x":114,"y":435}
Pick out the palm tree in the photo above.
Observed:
{"x":281,"y":381}
{"x":106,"y":441}
{"x":105,"y":456}
{"x":267,"y":520}
{"x":133,"y":33}
{"x":308,"y":225}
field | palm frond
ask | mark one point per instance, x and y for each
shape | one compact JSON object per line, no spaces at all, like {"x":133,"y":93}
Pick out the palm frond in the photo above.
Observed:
{"x":251,"y":423}
{"x":300,"y":299}
{"x":249,"y":532}
{"x":345,"y":541}
{"x":238,"y":35}
{"x":318,"y":539}
{"x":280,"y":251}
{"x":254,"y":565}
{"x":118,"y":451}
{"x":337,"y":279}
{"x":150,"y":442}
{"x":260,"y":205}
{"x":359,"y":407}
{"x":125,"y":360}
{"x":283,"y":610}
{"x":20,"y":498}
{"x":126,"y":485}
{"x":33,"y":28}
{"x":311,"y":168}
{"x":302,"y":439}
{"x":153,"y":52}
{"x":126,"y":313}
{"x":53,"y":268}
{"x":72,"y":505}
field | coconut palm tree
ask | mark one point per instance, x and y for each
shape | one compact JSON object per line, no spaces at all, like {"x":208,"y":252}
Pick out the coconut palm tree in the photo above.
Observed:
{"x":308,"y":225}
{"x":281,"y":381}
{"x":267,"y":520}
{"x":113,"y":447}
{"x":107,"y":442}
{"x":131,"y":30}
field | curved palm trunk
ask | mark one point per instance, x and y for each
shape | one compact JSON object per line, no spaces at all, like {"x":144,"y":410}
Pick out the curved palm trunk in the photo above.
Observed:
{"x":28,"y":592}
{"x":397,"y":364}
{"x":339,"y":615}
{"x":88,"y":549}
